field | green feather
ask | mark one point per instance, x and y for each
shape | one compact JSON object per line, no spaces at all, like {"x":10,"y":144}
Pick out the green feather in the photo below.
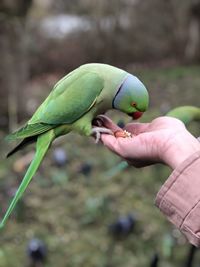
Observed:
{"x":69,"y":100}
{"x":43,"y":143}
{"x":29,"y":130}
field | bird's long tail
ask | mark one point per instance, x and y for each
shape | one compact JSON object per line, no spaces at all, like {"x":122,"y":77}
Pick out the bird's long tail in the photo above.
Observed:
{"x":42,"y":145}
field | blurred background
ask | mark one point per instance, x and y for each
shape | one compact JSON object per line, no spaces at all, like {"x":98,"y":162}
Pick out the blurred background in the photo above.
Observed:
{"x":77,"y":211}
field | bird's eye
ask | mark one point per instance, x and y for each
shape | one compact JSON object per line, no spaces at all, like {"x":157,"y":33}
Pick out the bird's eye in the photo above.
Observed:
{"x":133,"y":104}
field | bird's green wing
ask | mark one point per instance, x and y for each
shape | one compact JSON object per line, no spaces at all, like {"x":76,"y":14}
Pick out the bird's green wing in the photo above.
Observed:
{"x":70,"y":99}
{"x":30,"y":130}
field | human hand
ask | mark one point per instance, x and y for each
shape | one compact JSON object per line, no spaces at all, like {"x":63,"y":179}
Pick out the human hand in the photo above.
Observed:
{"x":164,"y":140}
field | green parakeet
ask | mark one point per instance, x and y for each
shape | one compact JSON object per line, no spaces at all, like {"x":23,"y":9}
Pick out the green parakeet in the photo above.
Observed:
{"x":74,"y":102}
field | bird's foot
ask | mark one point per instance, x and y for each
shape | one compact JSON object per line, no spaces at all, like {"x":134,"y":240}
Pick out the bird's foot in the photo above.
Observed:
{"x":97,"y":131}
{"x":103,"y":122}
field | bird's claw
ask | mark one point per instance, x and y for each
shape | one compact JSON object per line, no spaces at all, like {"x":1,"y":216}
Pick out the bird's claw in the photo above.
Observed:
{"x":103,"y":122}
{"x":97,"y":131}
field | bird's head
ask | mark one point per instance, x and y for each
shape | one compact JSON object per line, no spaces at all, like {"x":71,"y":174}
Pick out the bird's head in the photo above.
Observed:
{"x":132,"y":97}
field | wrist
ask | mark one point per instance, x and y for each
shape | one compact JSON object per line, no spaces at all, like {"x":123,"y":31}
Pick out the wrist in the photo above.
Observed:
{"x":179,"y":148}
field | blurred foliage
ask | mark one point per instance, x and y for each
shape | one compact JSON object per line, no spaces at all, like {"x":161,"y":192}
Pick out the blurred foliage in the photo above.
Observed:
{"x":72,"y":201}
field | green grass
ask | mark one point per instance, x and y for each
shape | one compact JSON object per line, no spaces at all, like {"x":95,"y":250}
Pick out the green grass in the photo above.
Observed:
{"x":71,"y":212}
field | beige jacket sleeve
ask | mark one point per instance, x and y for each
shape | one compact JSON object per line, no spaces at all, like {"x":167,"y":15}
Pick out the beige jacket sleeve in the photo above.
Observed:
{"x":179,"y":198}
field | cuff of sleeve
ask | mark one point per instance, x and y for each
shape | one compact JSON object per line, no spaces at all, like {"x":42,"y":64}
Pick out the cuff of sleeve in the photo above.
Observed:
{"x":179,"y":198}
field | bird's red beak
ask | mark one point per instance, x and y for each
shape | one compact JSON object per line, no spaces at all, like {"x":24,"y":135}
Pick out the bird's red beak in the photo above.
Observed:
{"x":136,"y":115}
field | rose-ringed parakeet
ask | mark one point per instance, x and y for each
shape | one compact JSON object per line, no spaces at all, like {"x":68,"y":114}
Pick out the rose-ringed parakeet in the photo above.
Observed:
{"x":74,"y":102}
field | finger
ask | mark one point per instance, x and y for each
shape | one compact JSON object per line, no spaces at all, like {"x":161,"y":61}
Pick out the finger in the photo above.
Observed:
{"x":117,"y":145}
{"x":120,"y":145}
{"x":110,"y":141}
{"x":108,"y":123}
